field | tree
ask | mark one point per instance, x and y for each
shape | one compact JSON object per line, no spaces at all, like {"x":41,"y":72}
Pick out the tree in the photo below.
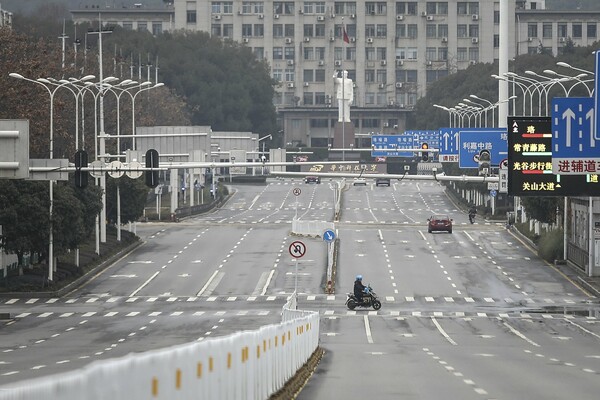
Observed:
{"x":133,"y":198}
{"x":543,"y":209}
{"x":24,"y":216}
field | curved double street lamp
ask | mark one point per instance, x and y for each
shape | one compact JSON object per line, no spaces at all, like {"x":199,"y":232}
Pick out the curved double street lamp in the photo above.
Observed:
{"x":450,"y":114}
{"x":133,"y":96}
{"x":45,"y":83}
{"x":578,"y":78}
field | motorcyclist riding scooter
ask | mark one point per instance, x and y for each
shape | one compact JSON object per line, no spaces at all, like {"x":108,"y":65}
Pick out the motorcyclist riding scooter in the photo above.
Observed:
{"x":472,"y":213}
{"x":363,"y":296}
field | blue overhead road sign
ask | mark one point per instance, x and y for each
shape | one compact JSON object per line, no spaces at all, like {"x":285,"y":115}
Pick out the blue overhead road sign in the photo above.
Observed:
{"x":472,"y":141}
{"x":597,"y":98}
{"x":572,"y":127}
{"x":432,"y":138}
{"x":391,"y":145}
{"x":449,"y":144}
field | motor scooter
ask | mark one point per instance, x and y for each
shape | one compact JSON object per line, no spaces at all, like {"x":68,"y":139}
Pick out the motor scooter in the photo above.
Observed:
{"x":369,"y":300}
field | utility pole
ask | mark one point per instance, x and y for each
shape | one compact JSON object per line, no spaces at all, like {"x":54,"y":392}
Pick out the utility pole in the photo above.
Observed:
{"x":102,"y":135}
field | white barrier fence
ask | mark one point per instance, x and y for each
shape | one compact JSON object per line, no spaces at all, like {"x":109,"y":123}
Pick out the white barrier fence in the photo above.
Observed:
{"x":310,"y":228}
{"x":246,"y":365}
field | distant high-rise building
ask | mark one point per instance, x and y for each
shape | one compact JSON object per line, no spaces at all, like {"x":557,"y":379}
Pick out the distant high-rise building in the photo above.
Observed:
{"x":393,"y":52}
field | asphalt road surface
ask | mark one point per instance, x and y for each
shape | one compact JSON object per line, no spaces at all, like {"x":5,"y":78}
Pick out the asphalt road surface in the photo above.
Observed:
{"x":470,"y":315}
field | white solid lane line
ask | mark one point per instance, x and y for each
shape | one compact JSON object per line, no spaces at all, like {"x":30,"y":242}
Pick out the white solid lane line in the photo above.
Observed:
{"x":368,"y":329}
{"x":144,"y":284}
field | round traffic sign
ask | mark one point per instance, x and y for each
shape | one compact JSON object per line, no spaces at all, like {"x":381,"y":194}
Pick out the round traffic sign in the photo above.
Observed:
{"x":115,"y":169}
{"x":96,"y":169}
{"x":504,"y":164}
{"x":134,"y":171}
{"x":297,"y":249}
{"x":329,"y":235}
{"x":297,"y":191}
{"x":493,"y":193}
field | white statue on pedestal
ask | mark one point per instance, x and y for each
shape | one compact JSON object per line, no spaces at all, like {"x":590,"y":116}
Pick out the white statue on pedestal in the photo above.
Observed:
{"x":345,"y":94}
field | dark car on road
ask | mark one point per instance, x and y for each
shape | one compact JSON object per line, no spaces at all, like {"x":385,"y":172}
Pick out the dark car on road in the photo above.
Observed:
{"x":382,"y":182}
{"x":439,"y":222}
{"x":312,"y":179}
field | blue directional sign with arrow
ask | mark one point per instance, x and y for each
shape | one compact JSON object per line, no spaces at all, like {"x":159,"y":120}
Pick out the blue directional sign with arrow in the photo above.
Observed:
{"x":449,"y":144}
{"x":432,"y":138}
{"x":472,"y":141}
{"x":574,"y":146}
{"x":329,"y":235}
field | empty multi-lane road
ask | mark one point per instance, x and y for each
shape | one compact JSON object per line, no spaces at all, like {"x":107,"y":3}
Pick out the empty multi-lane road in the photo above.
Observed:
{"x":468,"y":315}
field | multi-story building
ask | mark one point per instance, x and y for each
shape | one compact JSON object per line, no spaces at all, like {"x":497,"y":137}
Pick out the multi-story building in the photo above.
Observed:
{"x":392,"y":52}
{"x":135,"y":17}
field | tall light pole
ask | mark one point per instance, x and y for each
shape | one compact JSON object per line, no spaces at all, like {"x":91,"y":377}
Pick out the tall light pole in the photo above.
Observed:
{"x":51,"y":92}
{"x":449,"y":111}
{"x":490,"y":105}
{"x":133,"y":105}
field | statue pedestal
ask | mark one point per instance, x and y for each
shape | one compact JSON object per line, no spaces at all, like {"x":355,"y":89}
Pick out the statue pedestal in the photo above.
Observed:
{"x":343,"y":138}
{"x":343,"y":135}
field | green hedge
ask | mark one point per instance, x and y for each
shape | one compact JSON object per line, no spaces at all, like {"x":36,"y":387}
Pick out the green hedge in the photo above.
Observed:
{"x":550,"y":245}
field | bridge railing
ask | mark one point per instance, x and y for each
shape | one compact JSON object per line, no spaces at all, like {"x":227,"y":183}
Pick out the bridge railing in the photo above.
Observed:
{"x":245,"y":365}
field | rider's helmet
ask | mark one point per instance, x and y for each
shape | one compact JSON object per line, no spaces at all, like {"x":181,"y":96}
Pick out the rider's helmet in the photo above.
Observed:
{"x":359,"y":277}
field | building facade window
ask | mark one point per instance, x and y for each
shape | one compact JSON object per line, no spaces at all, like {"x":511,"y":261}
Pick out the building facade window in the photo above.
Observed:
{"x":532,"y":30}
{"x":283,"y":7}
{"x":547,"y":31}
{"x":577,"y":30}
{"x":307,"y":98}
{"x":320,"y":75}
{"x":309,"y":53}
{"x":308,"y":75}
{"x":592,"y":30}
{"x":413,"y":31}
{"x":562,"y":30}
{"x":442,"y":30}
{"x":259,"y":53}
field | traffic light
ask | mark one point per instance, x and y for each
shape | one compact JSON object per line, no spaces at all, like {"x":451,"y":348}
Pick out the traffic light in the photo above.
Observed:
{"x":484,"y":162}
{"x":81,"y":161}
{"x":424,"y":154}
{"x":151,"y":162}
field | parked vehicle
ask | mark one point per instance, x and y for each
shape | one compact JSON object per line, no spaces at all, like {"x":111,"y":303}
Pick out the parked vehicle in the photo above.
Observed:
{"x":359,"y":182}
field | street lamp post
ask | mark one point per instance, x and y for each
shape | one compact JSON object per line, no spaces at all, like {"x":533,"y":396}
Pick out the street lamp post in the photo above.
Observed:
{"x":578,"y":78}
{"x":565,"y":65}
{"x":144,"y":86}
{"x":449,"y":111}
{"x":51,"y":92}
